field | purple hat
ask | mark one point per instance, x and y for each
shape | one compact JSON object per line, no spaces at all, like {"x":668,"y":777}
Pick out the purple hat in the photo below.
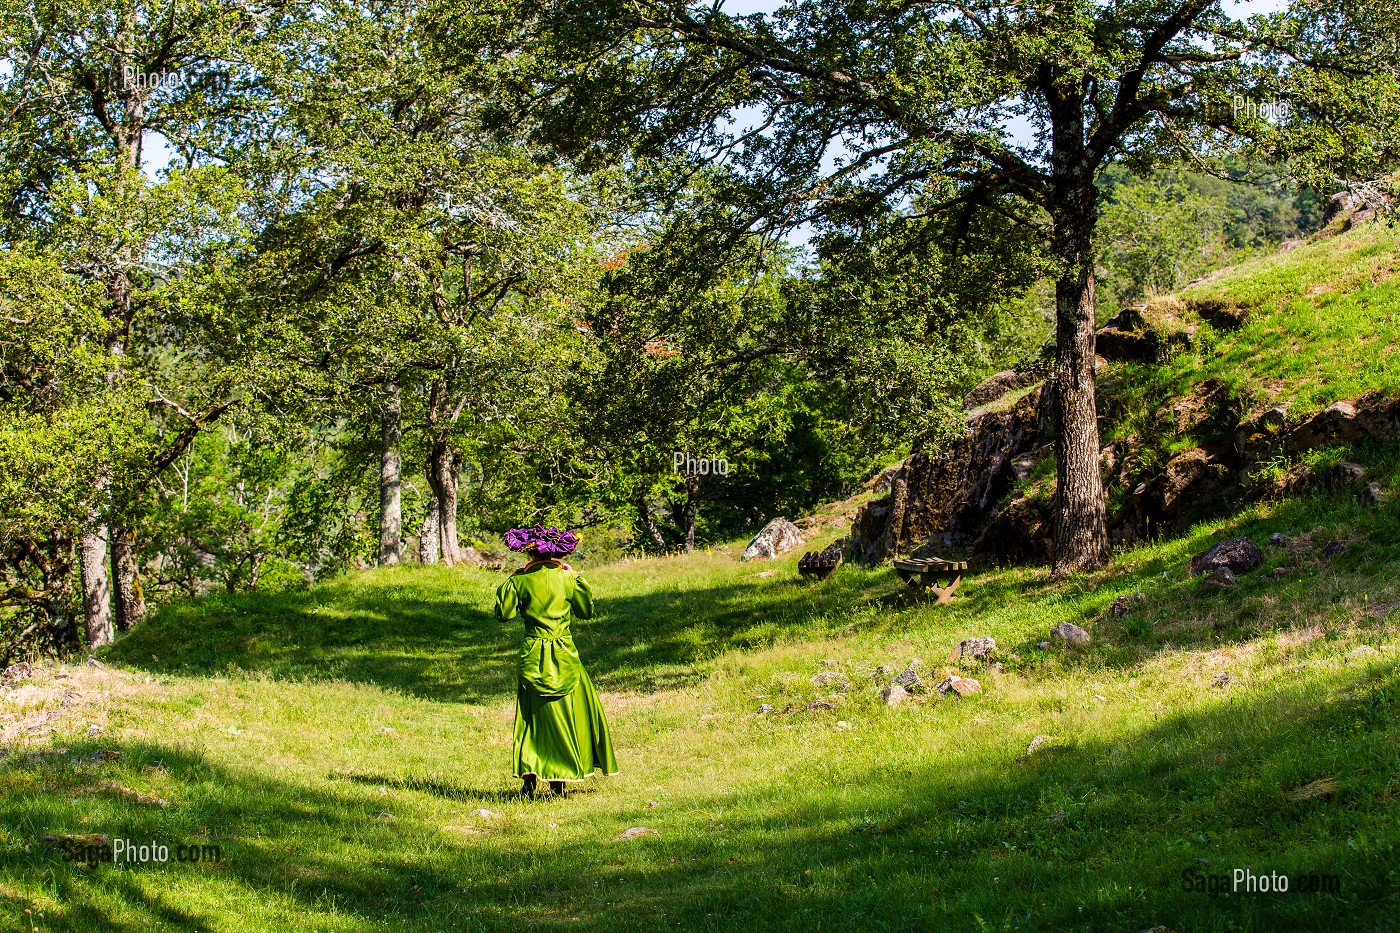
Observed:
{"x":546,"y":542}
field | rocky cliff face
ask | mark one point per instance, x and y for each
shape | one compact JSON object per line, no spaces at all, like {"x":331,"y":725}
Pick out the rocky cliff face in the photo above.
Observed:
{"x":948,"y":496}
{"x":969,"y":496}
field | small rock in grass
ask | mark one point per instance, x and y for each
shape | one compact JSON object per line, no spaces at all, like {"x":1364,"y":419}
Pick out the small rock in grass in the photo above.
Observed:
{"x":1373,"y":494}
{"x":833,"y":679}
{"x":636,"y":832}
{"x":1238,"y":555}
{"x":1278,"y":539}
{"x":1223,"y":679}
{"x":1038,"y":743}
{"x":1070,"y":634}
{"x":1221,"y":578}
{"x":961,"y":686}
{"x":893,"y":695}
{"x":1278,"y":573}
{"x":1124,"y":604}
{"x":483,"y":813}
{"x":93,"y":662}
{"x":817,"y":706}
{"x":1361,"y":654}
{"x":1100,"y":698}
{"x":980,"y":648}
{"x":1057,"y":817}
{"x":95,"y":730}
{"x":842,"y":724}
{"x":765,"y":708}
{"x":652,"y":803}
{"x":828,"y":662}
{"x":385,"y":730}
{"x":15,"y":673}
{"x":1044,"y":646}
{"x":910,"y":681}
{"x":766,"y":573}
{"x":1335,"y":549}
{"x":966,"y":687}
{"x":1322,"y":788}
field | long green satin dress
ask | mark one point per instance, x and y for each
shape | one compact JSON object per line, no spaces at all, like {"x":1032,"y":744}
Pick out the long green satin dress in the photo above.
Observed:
{"x":560,"y":731}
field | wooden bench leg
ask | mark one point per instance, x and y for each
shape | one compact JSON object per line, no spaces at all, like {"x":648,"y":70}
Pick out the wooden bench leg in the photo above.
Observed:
{"x":944,"y":594}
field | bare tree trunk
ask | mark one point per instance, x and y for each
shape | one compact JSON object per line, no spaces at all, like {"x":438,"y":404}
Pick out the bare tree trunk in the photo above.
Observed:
{"x":97,"y":594}
{"x":391,"y":478}
{"x":1081,"y":535}
{"x":645,"y":519}
{"x":128,"y":601}
{"x":692,"y":506}
{"x":428,"y":550}
{"x":442,"y":477}
{"x":447,"y":511}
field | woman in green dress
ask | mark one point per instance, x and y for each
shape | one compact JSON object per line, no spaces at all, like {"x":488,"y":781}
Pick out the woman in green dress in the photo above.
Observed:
{"x":561,"y":734}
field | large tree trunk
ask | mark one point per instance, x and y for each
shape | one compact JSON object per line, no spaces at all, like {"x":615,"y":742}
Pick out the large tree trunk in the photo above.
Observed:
{"x":97,"y":595}
{"x":692,"y":505}
{"x":1081,"y":536}
{"x":644,"y":518}
{"x":428,"y":551}
{"x":442,"y":477}
{"x":390,"y":479}
{"x":128,"y":601}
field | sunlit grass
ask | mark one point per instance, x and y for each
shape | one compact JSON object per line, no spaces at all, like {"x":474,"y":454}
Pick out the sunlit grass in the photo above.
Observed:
{"x":335,"y":743}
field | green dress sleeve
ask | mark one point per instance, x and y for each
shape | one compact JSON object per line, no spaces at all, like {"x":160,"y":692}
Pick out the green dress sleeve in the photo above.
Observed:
{"x":581,"y":600}
{"x":507,"y":601}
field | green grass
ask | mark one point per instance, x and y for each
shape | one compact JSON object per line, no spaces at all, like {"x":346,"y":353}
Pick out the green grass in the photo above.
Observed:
{"x":264,"y":714}
{"x":335,"y":742}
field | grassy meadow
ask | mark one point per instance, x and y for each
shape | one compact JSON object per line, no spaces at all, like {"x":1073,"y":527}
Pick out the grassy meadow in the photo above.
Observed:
{"x":346,"y":747}
{"x":340,"y":744}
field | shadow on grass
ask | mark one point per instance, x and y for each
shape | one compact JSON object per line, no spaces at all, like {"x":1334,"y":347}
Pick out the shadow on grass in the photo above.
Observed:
{"x":430,"y":632}
{"x":1093,"y":837}
{"x":433,"y":786}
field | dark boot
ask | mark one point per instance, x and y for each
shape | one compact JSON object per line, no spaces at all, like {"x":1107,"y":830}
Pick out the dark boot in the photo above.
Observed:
{"x":528,"y":789}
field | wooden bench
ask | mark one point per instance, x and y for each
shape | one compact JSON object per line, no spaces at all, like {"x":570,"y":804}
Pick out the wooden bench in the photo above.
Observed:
{"x":819,"y":564}
{"x":934,"y":573}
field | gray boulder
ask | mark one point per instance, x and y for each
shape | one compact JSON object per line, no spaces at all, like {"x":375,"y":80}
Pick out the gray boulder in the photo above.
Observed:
{"x":910,"y":681}
{"x":981,"y":648}
{"x":1238,"y":555}
{"x":777,"y":537}
{"x":1070,"y":634}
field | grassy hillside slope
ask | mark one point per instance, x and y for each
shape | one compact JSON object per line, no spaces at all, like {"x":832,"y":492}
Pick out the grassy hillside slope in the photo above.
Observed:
{"x":339,"y":745}
{"x":1319,"y":323}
